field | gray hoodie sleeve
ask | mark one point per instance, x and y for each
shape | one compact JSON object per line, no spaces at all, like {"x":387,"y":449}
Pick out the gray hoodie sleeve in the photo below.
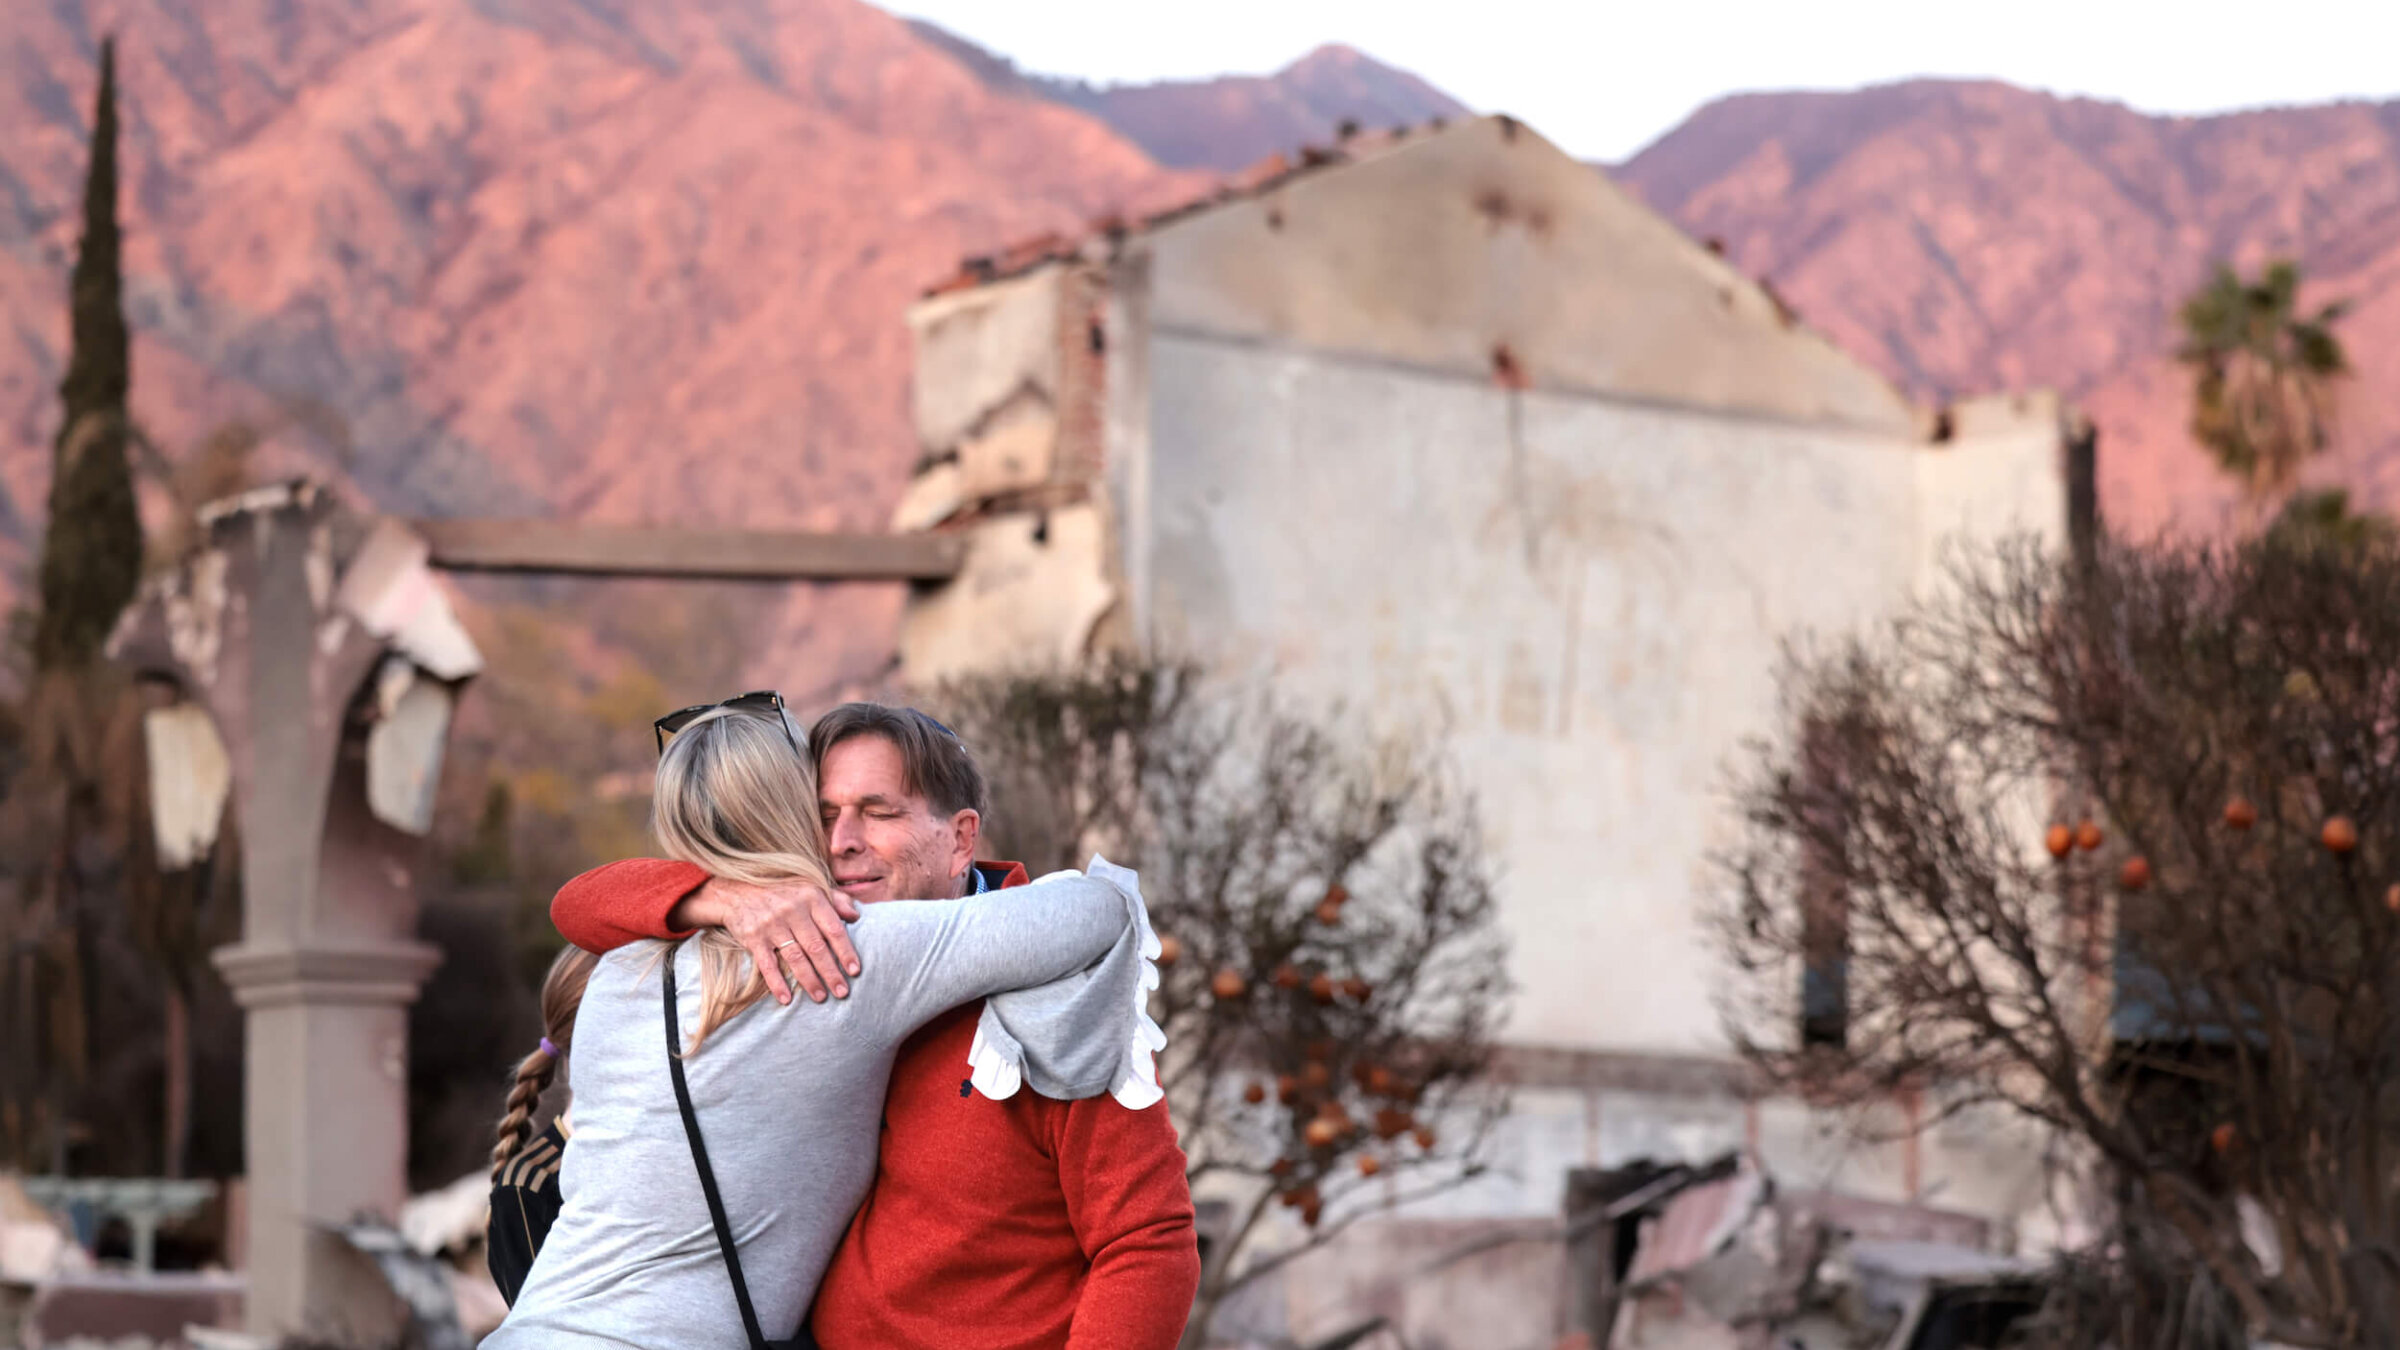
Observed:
{"x":1084,"y":1033}
{"x":925,"y":957}
{"x":1067,"y":963}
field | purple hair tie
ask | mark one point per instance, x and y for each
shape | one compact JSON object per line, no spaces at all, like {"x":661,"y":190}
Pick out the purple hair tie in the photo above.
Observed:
{"x":548,"y":1048}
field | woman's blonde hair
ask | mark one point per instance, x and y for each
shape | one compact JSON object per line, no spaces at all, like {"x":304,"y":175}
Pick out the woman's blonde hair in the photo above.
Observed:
{"x":562,"y":995}
{"x":737,"y":798}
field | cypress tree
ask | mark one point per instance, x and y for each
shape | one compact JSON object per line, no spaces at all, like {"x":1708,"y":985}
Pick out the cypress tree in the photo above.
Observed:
{"x":91,"y":563}
{"x":92,"y":555}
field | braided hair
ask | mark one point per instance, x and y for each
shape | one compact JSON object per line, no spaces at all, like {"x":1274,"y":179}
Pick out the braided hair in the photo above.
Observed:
{"x":562,"y":994}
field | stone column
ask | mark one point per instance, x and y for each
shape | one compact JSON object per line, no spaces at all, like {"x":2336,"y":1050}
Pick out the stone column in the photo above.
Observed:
{"x":302,"y":631}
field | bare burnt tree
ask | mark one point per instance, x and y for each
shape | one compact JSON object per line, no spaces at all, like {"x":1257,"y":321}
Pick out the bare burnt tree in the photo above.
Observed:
{"x":2116,"y":847}
{"x":1333,"y":971}
{"x":2142,"y":1290}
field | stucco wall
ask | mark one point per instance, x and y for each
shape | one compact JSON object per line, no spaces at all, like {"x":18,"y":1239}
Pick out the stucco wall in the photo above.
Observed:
{"x":1455,"y":244}
{"x":1585,"y":597}
{"x":1314,"y":469}
{"x":1033,"y":588}
{"x":2004,"y":472}
{"x":977,"y":349}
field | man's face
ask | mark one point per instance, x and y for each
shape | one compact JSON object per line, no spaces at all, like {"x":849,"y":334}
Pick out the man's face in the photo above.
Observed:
{"x":889,"y":843}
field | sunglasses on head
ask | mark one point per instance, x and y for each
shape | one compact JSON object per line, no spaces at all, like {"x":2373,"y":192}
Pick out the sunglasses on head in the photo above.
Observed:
{"x":765,"y":702}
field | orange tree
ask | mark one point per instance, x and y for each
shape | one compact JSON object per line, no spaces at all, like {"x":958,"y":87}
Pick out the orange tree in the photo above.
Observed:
{"x":1332,"y":971}
{"x":2116,"y":847}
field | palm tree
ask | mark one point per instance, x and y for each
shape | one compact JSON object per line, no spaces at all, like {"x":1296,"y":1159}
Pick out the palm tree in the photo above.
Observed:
{"x":2262,"y":376}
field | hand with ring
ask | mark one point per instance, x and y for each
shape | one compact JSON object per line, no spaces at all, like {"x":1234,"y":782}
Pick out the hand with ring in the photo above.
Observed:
{"x":771,"y":920}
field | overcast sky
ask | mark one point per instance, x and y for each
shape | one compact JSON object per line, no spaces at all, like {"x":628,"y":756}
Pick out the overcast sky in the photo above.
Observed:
{"x":1604,"y":79}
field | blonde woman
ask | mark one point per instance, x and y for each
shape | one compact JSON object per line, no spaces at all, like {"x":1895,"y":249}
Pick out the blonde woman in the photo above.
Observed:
{"x":784,"y":1102}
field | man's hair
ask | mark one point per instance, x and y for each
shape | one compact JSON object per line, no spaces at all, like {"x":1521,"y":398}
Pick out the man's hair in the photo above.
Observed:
{"x":934,"y":763}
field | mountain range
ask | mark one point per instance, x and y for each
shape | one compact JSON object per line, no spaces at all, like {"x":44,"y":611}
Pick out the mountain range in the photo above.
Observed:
{"x":1964,"y":236}
{"x":597,"y":258}
{"x":1234,"y":121}
{"x":629,"y":261}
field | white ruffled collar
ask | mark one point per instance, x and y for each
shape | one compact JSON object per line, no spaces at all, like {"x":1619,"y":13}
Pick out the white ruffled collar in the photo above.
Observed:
{"x":996,"y":1061}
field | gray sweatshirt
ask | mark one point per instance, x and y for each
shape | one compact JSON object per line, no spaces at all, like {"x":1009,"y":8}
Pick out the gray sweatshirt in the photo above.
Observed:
{"x":790,"y":1102}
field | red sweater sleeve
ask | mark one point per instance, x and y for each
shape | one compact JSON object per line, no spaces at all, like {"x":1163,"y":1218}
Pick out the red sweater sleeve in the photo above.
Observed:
{"x":1127,"y":1197}
{"x":622,"y":902}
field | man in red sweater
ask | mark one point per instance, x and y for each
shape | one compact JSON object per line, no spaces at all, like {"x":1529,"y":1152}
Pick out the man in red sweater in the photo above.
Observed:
{"x":1025,"y":1224}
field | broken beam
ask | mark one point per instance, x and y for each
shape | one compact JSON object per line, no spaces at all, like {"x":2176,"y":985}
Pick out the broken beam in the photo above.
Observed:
{"x":668,"y":551}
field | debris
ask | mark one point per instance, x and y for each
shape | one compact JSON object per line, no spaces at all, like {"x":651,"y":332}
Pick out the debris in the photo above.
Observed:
{"x":422,"y":1282}
{"x":449,"y":1221}
{"x":1724,"y":1255}
{"x":390,"y":588}
{"x":404,"y":748}
{"x":34,"y":1245}
{"x":190,"y":780}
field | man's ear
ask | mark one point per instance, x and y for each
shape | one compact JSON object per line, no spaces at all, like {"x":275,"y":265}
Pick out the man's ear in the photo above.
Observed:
{"x":966,"y":830}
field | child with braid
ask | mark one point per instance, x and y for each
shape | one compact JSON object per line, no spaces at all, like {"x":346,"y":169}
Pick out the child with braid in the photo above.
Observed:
{"x":525,"y":1193}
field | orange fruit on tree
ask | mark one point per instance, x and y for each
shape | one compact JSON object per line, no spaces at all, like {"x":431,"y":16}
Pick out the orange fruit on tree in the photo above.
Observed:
{"x":1314,"y":1074}
{"x":1286,"y":1088}
{"x":1322,"y":1132}
{"x":1337,"y":895}
{"x":1329,"y":912}
{"x":1369,"y":1165}
{"x":1170,"y":949}
{"x":1286,"y":977}
{"x":2240,"y":814}
{"x":1357,"y":989}
{"x":2339,"y":834}
{"x":1380,"y":1081}
{"x":1311,"y":1212}
{"x":2391,"y":898}
{"x":2223,"y":1137}
{"x":2088,"y":836}
{"x":2135,"y":874}
{"x":1424,"y":1136}
{"x":1255,"y":1093}
{"x":1320,"y":988}
{"x":1229,"y":984}
{"x":2060,"y":841}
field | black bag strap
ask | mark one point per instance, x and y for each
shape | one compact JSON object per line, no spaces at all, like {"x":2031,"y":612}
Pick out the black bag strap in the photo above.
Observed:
{"x":708,"y":1175}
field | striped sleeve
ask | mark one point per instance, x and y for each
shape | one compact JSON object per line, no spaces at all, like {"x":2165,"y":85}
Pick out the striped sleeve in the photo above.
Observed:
{"x":525,"y":1201}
